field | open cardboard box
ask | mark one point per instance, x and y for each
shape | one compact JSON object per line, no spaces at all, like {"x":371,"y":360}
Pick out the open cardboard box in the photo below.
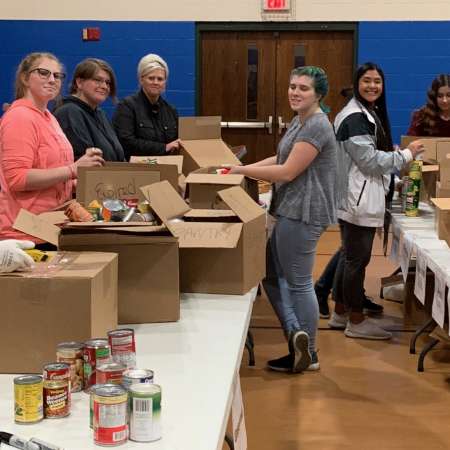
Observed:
{"x":73,"y":297}
{"x":202,"y":144}
{"x":121,"y":180}
{"x":148,"y":261}
{"x":221,"y":251}
{"x":442,"y":218}
{"x":435,"y":148}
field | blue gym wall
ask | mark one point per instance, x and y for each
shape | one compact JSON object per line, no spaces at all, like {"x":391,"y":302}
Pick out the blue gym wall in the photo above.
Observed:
{"x":411,"y":54}
{"x":122,"y":44}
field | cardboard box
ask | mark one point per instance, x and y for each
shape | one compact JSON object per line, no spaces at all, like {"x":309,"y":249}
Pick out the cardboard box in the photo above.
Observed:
{"x":74,"y":301}
{"x":444,"y":173}
{"x":202,"y":144}
{"x":442,"y":218}
{"x":204,"y":184}
{"x":121,"y":180}
{"x":430,"y":173}
{"x":148,"y":262}
{"x":434,"y":147}
{"x":442,"y":192}
{"x":221,"y":252}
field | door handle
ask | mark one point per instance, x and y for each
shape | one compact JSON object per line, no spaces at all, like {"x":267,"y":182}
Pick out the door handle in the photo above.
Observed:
{"x":260,"y":125}
{"x":281,"y":125}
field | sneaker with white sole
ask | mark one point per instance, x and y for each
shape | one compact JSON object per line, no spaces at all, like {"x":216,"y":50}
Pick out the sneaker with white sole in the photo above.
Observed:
{"x":314,"y":366}
{"x":299,"y":343}
{"x":366,"y":330}
{"x":338,"y":321}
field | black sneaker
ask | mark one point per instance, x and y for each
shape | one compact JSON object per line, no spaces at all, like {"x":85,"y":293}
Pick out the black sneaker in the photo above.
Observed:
{"x":370,"y":306}
{"x":283,"y":364}
{"x":299,"y":343}
{"x":324,"y":310}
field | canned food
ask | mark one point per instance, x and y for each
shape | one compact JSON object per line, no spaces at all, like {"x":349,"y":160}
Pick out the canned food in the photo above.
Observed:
{"x":110,"y":373}
{"x":91,"y":403}
{"x":95,"y":353}
{"x":413,"y":192}
{"x":72,"y":353}
{"x":56,"y":398}
{"x":110,"y":415}
{"x":137,"y":376}
{"x":57,"y":371}
{"x":123,"y":347}
{"x":28,"y":403}
{"x":145,"y":412}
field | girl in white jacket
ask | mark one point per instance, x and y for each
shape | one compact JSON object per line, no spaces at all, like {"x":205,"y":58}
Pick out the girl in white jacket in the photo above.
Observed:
{"x":365,"y":161}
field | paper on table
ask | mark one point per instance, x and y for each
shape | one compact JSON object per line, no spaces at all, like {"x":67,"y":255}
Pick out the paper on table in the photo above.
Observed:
{"x":421,"y":276}
{"x":438,"y":309}
{"x":238,"y":419}
{"x":405,"y":254}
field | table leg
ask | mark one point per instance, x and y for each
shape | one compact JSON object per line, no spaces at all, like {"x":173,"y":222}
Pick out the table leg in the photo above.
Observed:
{"x":419,"y":331}
{"x":424,"y":352}
{"x":229,"y":441}
{"x":250,"y":345}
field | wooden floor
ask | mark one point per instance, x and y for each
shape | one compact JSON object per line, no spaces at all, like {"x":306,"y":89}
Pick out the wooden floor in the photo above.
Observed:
{"x":367,"y":395}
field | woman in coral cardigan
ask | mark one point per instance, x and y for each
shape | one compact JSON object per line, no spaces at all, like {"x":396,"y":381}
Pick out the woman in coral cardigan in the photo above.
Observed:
{"x":37,"y":169}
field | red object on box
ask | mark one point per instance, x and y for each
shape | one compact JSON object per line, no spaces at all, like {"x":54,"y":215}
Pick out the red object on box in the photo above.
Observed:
{"x":91,"y":34}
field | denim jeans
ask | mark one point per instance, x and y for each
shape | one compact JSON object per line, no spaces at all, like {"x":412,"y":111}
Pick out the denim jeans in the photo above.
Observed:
{"x":356,"y":251}
{"x":325,"y":283}
{"x":289,"y":284}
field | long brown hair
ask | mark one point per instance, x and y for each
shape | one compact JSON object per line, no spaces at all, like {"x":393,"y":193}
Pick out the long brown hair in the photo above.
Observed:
{"x":430,"y":111}
{"x":23,"y":71}
{"x":87,"y":69}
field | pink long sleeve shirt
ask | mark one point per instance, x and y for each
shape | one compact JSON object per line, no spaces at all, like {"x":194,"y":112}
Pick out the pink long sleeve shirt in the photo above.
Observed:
{"x":29,"y":139}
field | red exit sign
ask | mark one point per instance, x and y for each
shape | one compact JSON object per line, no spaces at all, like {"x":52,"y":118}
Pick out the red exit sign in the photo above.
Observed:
{"x":276,"y":5}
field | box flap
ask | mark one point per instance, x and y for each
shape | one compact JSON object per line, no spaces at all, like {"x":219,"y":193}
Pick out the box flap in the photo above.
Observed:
{"x":36,"y":226}
{"x":210,"y":152}
{"x":206,"y":235}
{"x":209,"y":213}
{"x":54,"y":217}
{"x":442,"y":203}
{"x":241,"y":203}
{"x":176,"y":160}
{"x":207,"y":127}
{"x":105,"y":224}
{"x":165,"y":201}
{"x":209,"y":178}
{"x":430,"y":168}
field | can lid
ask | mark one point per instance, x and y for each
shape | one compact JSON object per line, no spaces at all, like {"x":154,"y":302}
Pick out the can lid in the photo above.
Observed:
{"x":57,"y":366}
{"x":28,"y":379}
{"x":138,"y":373}
{"x":70,"y":345}
{"x":121,"y":332}
{"x":145,"y":388}
{"x":111,"y":367}
{"x":96,"y":342}
{"x":109,"y":390}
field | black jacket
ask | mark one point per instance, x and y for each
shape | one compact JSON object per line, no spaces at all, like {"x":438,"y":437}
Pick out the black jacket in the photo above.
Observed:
{"x":86,"y":127}
{"x":144,"y":129}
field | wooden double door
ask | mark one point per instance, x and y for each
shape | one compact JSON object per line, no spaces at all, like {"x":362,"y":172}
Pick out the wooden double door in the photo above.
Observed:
{"x":245,"y":77}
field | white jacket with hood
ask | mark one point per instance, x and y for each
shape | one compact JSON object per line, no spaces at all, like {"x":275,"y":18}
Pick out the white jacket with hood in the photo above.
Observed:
{"x":363,"y":171}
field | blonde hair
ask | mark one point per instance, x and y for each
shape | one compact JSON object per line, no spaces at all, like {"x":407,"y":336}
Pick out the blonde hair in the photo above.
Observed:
{"x":24,"y":68}
{"x":151,"y":62}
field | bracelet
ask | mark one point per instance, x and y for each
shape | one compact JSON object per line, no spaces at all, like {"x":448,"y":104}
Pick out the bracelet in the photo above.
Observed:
{"x":73,"y":173}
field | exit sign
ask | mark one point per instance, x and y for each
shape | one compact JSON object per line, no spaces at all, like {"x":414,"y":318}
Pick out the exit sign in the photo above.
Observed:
{"x":276,"y":5}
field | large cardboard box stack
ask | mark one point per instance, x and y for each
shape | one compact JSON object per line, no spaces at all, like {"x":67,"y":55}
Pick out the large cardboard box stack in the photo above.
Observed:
{"x":221,"y":251}
{"x":73,"y":298}
{"x":202,"y":144}
{"x":148,"y":261}
{"x":435,"y":148}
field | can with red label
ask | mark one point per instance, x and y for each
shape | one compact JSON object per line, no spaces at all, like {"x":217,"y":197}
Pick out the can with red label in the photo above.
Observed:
{"x":95,"y":353}
{"x":58,"y":372}
{"x":123,"y":347}
{"x":110,"y":415}
{"x":72,"y":353}
{"x":56,"y":398}
{"x":110,"y":373}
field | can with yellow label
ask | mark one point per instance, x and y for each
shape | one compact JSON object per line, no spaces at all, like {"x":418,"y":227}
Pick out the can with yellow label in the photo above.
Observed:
{"x":28,"y":399}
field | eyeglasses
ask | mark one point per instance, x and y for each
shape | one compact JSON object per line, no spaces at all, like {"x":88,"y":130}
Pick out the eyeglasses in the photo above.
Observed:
{"x":45,"y":74}
{"x":100,"y":81}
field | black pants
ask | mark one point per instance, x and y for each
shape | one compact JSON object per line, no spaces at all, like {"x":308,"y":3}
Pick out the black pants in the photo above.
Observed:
{"x":356,"y":251}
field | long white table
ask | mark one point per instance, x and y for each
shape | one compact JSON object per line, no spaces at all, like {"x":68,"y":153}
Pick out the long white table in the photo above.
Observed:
{"x":195,"y":361}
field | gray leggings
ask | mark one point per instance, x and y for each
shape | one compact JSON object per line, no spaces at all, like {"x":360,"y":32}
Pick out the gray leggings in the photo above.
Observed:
{"x":289,"y":285}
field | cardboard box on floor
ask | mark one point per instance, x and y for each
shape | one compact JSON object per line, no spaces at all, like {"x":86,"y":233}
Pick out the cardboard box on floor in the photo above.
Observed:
{"x":148,"y":261}
{"x":435,"y":148}
{"x":121,"y":180}
{"x":71,"y":298}
{"x":202,"y":144}
{"x":442,"y":218}
{"x":221,"y":252}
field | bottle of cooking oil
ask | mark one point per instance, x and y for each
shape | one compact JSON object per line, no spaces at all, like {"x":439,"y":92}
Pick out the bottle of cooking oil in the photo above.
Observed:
{"x":413,"y":192}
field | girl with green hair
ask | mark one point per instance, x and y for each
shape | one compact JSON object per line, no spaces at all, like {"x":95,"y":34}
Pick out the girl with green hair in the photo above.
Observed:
{"x":303,"y":173}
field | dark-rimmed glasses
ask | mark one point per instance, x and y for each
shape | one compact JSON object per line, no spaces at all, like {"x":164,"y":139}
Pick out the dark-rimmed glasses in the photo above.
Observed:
{"x":45,"y":74}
